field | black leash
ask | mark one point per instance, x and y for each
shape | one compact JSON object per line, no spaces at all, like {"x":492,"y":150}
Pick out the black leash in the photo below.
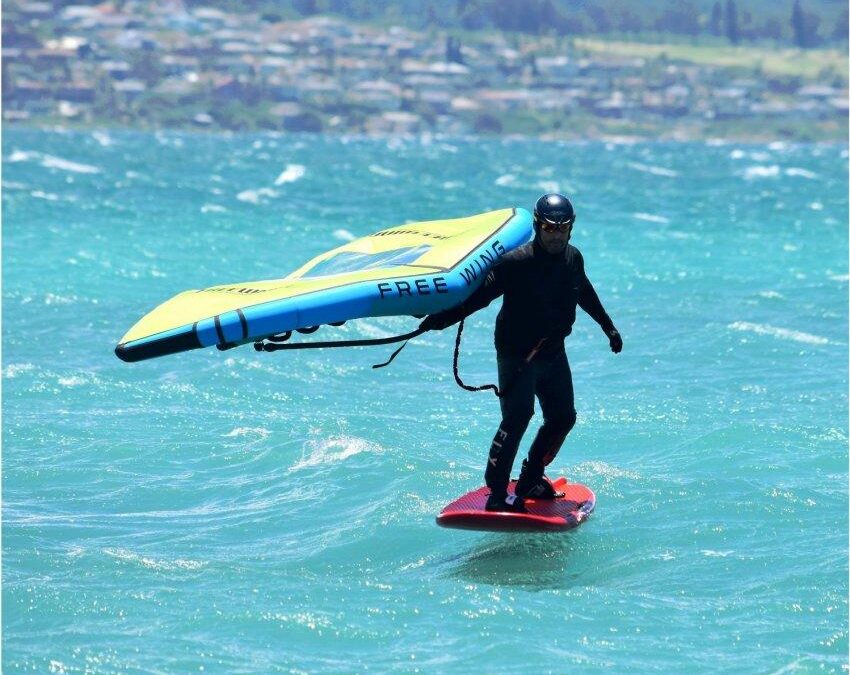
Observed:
{"x":273,"y":344}
{"x":499,"y":392}
{"x":460,"y":382}
{"x":276,"y":343}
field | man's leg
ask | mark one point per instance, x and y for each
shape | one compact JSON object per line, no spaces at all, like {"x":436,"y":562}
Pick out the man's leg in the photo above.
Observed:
{"x":517,"y":408}
{"x":554,"y":389}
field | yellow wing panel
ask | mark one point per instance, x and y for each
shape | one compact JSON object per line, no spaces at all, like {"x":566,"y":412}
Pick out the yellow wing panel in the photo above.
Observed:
{"x":449,"y":240}
{"x":191,"y":306}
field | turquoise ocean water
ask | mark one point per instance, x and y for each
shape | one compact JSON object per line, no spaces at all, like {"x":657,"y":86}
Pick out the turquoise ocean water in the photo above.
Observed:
{"x":247,"y":513}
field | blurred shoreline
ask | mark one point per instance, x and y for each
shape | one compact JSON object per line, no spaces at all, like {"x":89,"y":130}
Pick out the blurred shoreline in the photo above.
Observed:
{"x":141,"y":66}
{"x":425,"y":137}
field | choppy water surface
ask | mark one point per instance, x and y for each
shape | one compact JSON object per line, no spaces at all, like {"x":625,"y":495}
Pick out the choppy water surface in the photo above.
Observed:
{"x":244,"y":512}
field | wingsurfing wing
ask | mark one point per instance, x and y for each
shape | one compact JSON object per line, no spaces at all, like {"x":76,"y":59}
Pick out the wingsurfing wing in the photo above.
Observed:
{"x":416,"y":268}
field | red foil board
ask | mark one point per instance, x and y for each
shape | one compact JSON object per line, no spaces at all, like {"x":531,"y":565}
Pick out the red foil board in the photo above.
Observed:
{"x":544,"y":515}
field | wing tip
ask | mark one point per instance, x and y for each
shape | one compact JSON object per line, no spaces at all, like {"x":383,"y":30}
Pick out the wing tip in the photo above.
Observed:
{"x":148,"y":349}
{"x":123,"y":353}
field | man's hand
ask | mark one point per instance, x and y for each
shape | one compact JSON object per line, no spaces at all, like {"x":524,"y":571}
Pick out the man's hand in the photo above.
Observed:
{"x":615,"y":340}
{"x":437,"y":321}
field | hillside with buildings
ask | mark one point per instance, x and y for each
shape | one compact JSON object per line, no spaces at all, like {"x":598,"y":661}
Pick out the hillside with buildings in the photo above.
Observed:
{"x":170,"y":65}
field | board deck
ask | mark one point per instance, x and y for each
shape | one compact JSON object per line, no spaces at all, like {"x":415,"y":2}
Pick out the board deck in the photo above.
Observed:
{"x":544,"y":515}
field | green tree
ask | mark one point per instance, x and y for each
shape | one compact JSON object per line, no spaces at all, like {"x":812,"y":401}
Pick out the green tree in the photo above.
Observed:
{"x":732,"y":22}
{"x":798,"y":24}
{"x":812,"y":25}
{"x":804,"y":26}
{"x":716,"y":20}
{"x":746,"y":29}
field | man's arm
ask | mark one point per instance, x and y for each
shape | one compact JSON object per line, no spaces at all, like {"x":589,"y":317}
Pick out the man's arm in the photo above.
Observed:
{"x":589,"y":301}
{"x":491,"y":289}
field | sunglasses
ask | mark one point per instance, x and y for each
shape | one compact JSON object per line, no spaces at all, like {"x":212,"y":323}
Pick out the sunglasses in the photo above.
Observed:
{"x":546,"y":226}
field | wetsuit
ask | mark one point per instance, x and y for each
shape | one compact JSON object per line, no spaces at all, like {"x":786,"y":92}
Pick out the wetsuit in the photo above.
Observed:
{"x":541,"y":291}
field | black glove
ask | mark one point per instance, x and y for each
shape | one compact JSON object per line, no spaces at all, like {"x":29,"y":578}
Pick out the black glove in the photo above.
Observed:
{"x":615,"y":340}
{"x":438,"y":321}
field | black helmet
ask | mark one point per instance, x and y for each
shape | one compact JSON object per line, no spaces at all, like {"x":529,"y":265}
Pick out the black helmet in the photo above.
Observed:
{"x":554,"y":209}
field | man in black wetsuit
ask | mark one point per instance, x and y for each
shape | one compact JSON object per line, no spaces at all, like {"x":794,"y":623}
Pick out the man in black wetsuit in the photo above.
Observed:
{"x":542,"y":282}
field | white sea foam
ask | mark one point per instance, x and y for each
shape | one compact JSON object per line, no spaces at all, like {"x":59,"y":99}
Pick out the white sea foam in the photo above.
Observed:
{"x":754,"y":155}
{"x":343,"y":235}
{"x":152,"y":563}
{"x":15,"y":369}
{"x":549,"y":186}
{"x":840,"y":277}
{"x":51,"y":162}
{"x":52,"y":299}
{"x":598,"y":468}
{"x":72,"y":381}
{"x":212,"y":208}
{"x":333,"y":450}
{"x":506,"y":179}
{"x":761,"y":172}
{"x":816,"y":206}
{"x":452,"y":184}
{"x":708,"y":553}
{"x":649,"y":217}
{"x":771,"y":294}
{"x":58,"y":667}
{"x":102,"y":138}
{"x":23,"y":156}
{"x":49,"y":196}
{"x":802,"y":173}
{"x":248,"y":431}
{"x":179,"y":387}
{"x":290,"y":174}
{"x":654,"y":170}
{"x":381,"y":171}
{"x":782,"y":333}
{"x":255,"y":196}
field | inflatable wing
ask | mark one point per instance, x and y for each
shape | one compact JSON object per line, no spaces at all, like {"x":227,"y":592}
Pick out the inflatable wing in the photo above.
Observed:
{"x":412,"y":269}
